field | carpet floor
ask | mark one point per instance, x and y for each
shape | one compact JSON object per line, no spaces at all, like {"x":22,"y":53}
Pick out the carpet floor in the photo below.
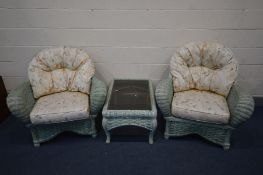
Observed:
{"x":74,"y":154}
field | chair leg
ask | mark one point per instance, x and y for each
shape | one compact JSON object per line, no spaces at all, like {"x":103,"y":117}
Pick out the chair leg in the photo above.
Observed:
{"x":36,"y":145}
{"x":151,"y":138}
{"x":35,"y":138}
{"x":226,"y":147}
{"x":166,"y":136}
{"x":227,"y":140}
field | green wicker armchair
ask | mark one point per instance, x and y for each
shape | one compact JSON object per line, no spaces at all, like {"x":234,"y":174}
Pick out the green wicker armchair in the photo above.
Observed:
{"x":71,"y":109}
{"x":193,"y":110}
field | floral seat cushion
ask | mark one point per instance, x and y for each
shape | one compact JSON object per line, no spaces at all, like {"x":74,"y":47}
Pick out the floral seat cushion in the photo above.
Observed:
{"x":201,"y":106}
{"x":60,"y":107}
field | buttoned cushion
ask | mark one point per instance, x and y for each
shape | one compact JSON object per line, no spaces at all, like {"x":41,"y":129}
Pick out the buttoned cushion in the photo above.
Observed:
{"x":200,"y":106}
{"x":60,"y":69}
{"x":204,"y":66}
{"x":60,"y":107}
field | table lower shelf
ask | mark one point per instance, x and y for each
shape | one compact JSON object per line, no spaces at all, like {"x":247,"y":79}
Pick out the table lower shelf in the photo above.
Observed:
{"x":109,"y":124}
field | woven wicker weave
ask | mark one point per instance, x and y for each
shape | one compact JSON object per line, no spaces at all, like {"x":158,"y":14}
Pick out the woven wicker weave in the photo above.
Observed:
{"x":21,"y":101}
{"x":241,"y":106}
{"x":141,"y":118}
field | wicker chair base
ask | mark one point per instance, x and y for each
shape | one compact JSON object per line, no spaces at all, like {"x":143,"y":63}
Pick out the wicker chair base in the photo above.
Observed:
{"x":43,"y":133}
{"x":147,"y":123}
{"x":216,"y":133}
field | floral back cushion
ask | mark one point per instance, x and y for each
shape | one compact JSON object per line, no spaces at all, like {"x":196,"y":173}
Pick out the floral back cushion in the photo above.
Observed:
{"x":204,"y":66}
{"x":60,"y":69}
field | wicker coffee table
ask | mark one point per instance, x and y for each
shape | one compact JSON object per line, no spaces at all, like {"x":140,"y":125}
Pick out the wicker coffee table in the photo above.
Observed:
{"x":130,"y":103}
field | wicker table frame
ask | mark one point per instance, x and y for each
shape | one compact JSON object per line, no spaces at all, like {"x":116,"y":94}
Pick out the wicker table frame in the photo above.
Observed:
{"x":141,"y":118}
{"x":241,"y":107}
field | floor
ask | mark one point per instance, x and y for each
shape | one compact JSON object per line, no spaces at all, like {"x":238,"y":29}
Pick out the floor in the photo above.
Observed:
{"x":75,"y":154}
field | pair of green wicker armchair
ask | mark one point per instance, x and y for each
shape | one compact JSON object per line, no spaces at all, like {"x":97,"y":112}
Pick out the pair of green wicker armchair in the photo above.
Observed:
{"x":198,"y":97}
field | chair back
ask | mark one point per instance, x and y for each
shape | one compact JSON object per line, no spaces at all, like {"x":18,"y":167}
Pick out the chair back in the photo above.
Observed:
{"x":204,"y":66}
{"x":60,"y":69}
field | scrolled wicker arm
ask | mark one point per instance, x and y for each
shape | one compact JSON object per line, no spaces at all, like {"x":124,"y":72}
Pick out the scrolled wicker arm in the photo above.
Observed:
{"x":97,"y":95}
{"x":241,"y":106}
{"x":164,"y":95}
{"x":20,"y":101}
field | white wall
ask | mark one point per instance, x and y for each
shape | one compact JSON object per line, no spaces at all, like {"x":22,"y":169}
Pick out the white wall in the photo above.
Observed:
{"x":130,"y":38}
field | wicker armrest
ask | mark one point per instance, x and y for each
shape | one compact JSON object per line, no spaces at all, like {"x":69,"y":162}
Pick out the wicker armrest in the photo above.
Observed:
{"x":97,"y":95}
{"x":241,"y":106}
{"x":164,"y":95}
{"x":21,"y":101}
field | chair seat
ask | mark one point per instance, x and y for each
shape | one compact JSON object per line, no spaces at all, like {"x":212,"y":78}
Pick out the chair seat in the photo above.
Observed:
{"x":60,"y":107}
{"x":200,"y":106}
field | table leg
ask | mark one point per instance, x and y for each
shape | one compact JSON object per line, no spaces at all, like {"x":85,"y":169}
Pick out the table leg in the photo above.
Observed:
{"x":104,"y":125}
{"x":154,"y":126}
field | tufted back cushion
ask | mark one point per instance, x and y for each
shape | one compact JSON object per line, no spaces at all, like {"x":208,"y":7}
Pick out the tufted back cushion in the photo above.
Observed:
{"x":204,"y":66}
{"x":60,"y":69}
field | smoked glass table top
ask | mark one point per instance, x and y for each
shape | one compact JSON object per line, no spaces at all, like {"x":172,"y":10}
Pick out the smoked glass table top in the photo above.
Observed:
{"x":130,"y":95}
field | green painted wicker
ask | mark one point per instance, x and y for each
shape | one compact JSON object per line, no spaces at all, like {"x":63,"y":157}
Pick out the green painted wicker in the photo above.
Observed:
{"x":21,"y":101}
{"x":241,"y":106}
{"x":141,"y":118}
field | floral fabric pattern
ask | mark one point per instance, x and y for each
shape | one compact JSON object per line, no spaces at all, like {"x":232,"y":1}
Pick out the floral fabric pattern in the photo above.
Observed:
{"x":60,"y":107}
{"x":60,"y":69}
{"x":201,"y":106}
{"x":204,"y":66}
